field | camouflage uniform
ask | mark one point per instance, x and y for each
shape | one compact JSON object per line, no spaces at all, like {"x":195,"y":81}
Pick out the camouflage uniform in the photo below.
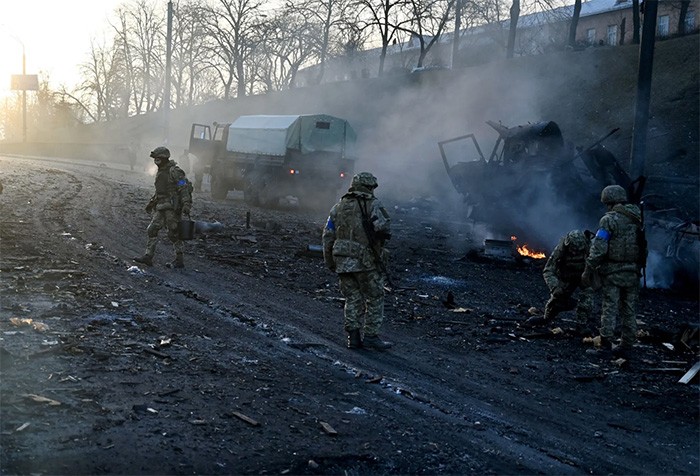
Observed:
{"x":562,"y":273}
{"x":348,"y":250}
{"x":172,"y":199}
{"x":616,"y":254}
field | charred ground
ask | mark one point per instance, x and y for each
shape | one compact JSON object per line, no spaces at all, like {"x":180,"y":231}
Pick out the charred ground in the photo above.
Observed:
{"x":237,"y":365}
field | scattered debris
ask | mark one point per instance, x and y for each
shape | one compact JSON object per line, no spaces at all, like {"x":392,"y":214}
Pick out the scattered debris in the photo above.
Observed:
{"x":40,"y":399}
{"x":245,"y":418}
{"x":690,"y":374}
{"x":328,"y":429}
{"x":38,"y":326}
{"x":22,"y":427}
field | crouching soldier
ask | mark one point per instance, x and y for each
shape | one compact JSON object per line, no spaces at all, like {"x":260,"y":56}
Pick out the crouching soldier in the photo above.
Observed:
{"x":173,"y":198}
{"x":562,"y":274}
{"x":353,"y":247}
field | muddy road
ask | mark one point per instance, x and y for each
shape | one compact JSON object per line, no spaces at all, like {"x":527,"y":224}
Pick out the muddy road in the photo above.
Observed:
{"x":237,"y":364}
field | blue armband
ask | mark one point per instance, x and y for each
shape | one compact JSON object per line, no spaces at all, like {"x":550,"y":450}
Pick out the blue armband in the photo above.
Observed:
{"x":330,"y":225}
{"x":602,"y":234}
{"x":181,"y":183}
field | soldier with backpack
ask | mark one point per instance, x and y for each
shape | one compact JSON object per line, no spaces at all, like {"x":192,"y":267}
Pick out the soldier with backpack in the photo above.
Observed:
{"x":172,"y":200}
{"x":353,"y":247}
{"x":618,"y":253}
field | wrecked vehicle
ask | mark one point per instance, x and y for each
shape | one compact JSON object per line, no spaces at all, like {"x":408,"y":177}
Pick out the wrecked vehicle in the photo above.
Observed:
{"x":532,"y":182}
{"x":269,"y":157}
{"x":535,"y":184}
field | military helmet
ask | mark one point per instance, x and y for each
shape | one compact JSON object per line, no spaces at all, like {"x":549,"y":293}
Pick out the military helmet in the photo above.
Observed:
{"x":160,"y":153}
{"x":364,"y":179}
{"x":613,"y":194}
{"x":576,"y":240}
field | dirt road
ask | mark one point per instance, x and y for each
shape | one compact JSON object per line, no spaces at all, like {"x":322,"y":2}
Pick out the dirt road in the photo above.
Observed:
{"x":237,"y":364}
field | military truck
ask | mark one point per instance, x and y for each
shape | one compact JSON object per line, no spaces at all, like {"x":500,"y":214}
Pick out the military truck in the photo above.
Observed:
{"x":269,"y":157}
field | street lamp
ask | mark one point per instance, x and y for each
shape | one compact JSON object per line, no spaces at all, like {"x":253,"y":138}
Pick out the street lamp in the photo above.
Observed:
{"x":24,"y":91}
{"x":23,"y":87}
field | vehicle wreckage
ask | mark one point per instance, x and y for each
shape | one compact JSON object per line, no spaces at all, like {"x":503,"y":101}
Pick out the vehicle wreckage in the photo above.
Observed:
{"x":535,"y":184}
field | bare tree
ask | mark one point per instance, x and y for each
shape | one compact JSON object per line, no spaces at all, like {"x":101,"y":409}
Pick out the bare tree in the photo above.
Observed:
{"x":513,"y":27}
{"x":230,"y":25}
{"x":384,"y":15}
{"x":329,"y":16}
{"x":428,"y":19}
{"x":574,"y":23}
{"x":288,"y":42}
{"x":682,"y":15}
{"x":636,"y":22}
{"x":190,"y":54}
{"x":102,"y":86}
{"x":141,"y":38}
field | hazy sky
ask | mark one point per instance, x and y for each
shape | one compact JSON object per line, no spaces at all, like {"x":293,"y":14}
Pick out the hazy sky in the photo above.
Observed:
{"x":56,"y":35}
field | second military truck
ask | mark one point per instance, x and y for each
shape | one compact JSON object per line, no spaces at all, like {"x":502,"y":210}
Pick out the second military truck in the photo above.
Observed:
{"x":268,"y":157}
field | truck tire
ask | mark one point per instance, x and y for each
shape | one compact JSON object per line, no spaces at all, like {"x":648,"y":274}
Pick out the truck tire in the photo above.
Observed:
{"x":219,"y":188}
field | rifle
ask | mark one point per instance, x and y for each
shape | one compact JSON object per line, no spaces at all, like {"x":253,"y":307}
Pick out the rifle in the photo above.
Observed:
{"x":642,"y":244}
{"x":371,"y":238}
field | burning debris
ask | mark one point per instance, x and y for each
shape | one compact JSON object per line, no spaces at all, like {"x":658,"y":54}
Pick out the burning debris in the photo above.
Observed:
{"x":510,"y":250}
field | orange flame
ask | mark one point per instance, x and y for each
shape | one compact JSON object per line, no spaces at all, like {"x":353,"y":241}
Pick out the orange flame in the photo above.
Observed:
{"x":525,"y":251}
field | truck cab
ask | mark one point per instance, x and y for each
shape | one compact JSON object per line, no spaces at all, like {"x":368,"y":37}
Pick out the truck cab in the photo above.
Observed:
{"x":269,"y":157}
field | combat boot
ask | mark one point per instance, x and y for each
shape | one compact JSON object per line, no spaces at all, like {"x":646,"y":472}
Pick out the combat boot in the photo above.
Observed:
{"x":145,"y":259}
{"x":354,"y":339}
{"x":178,"y":262}
{"x":374,"y":342}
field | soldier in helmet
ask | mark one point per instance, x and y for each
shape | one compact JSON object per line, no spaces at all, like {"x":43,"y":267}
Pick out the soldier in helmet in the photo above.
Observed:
{"x":617,"y":254}
{"x":353,"y":247}
{"x":562,"y":273}
{"x":173,"y":198}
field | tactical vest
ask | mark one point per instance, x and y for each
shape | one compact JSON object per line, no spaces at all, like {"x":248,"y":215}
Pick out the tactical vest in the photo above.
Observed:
{"x":624,"y":244}
{"x":351,"y":238}
{"x":572,"y":264}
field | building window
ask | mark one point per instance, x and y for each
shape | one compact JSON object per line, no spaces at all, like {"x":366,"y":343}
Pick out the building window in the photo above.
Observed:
{"x":612,"y":35}
{"x":689,"y":22}
{"x":663,"y":26}
{"x":590,"y":36}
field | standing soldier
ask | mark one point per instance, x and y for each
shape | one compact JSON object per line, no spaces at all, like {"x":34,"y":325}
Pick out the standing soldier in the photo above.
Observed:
{"x":353,"y":247}
{"x":562,"y":273}
{"x":618,"y":253}
{"x":198,"y":171}
{"x":173,"y":198}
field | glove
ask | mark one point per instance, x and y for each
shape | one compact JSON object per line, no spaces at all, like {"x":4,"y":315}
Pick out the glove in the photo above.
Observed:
{"x":186,"y":210}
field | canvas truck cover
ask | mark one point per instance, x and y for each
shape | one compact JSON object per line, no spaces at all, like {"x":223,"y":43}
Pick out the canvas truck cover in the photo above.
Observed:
{"x":273,"y":135}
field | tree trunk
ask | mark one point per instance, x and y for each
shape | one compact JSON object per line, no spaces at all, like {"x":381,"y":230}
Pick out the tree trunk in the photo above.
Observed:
{"x":514,"y":15}
{"x":682,"y":16}
{"x":455,"y":36}
{"x":574,"y":23}
{"x":623,"y":30}
{"x":636,"y":23}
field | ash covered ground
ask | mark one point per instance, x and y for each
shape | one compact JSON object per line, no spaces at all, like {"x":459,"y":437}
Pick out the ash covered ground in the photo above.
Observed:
{"x":237,"y":364}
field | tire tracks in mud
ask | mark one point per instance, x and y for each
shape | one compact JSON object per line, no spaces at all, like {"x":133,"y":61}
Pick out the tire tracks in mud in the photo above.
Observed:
{"x":494,"y":419}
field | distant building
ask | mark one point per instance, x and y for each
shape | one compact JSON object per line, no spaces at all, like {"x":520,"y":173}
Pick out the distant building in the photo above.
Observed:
{"x":601,"y":22}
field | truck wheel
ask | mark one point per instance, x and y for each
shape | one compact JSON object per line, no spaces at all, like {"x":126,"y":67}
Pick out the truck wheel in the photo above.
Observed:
{"x":219,"y":189}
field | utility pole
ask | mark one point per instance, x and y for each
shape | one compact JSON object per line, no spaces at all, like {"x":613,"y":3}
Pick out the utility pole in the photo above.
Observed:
{"x":24,"y":98}
{"x":168,"y":68}
{"x":641,"y":113}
